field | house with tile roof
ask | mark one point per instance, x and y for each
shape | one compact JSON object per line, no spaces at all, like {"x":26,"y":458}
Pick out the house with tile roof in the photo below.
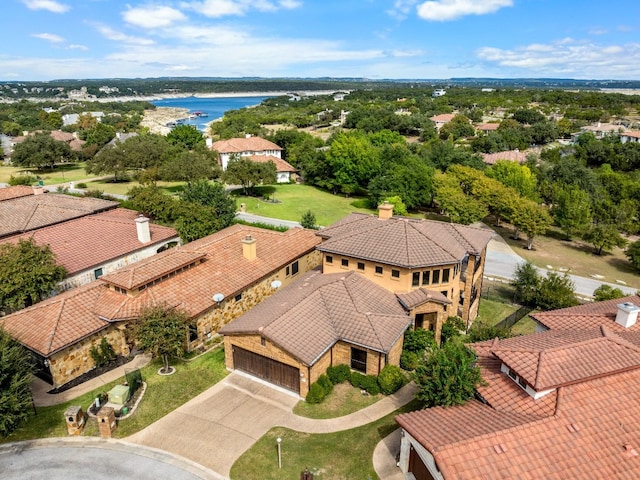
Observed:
{"x":214,"y":280}
{"x":442,"y":119}
{"x":257,"y":149}
{"x":95,"y":245}
{"x":632,"y":136}
{"x":559,"y":404}
{"x":380,"y":275}
{"x":510,"y":155}
{"x":487,"y":127}
{"x":25,"y":212}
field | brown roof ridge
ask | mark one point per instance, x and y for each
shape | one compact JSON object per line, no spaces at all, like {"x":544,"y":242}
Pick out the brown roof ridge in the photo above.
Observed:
{"x":614,"y":337}
{"x":52,"y":334}
{"x":27,"y":219}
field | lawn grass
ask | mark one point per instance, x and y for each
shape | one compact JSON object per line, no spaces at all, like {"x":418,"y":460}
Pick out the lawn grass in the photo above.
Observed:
{"x":576,"y":255}
{"x":121,"y":188}
{"x":65,"y":173}
{"x":493,"y":311}
{"x":163,"y":395}
{"x":344,"y":399}
{"x":329,"y":456}
{"x":294,"y":200}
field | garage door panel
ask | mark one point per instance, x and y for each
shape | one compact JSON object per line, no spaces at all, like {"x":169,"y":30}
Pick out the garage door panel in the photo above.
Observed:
{"x":267,"y":369}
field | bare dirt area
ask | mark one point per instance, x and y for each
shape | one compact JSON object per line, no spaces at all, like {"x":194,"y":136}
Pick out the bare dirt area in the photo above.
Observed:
{"x":156,"y":120}
{"x":323,"y":133}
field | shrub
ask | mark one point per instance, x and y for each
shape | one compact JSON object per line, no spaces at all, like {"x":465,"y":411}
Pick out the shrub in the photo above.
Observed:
{"x":325,"y":383}
{"x":418,"y":340}
{"x":480,"y":331}
{"x":451,"y":329}
{"x":81,"y":185}
{"x":358,"y":380}
{"x":370,"y":384}
{"x":316,"y":393}
{"x":391,"y":379}
{"x":339,"y":374}
{"x":22,"y":180}
{"x":103,"y":353}
{"x":409,"y":360}
{"x":362,"y":203}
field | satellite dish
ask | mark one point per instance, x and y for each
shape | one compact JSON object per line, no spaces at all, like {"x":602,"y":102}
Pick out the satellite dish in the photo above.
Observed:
{"x":276,"y":284}
{"x":218,"y":297}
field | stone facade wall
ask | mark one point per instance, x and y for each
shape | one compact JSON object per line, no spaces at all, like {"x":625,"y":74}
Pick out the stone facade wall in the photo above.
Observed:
{"x":432,"y":307}
{"x":75,"y":360}
{"x":342,"y":354}
{"x":393,"y":358}
{"x":87,"y":276}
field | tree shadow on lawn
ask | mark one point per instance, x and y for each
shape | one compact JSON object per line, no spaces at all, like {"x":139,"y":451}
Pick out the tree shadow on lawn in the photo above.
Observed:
{"x":622,"y":265}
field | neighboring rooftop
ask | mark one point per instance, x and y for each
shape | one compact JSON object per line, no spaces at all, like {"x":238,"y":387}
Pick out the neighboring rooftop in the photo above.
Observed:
{"x":26,"y":213}
{"x":244,"y":144}
{"x":281,"y":165}
{"x":511,"y":155}
{"x":17,"y":191}
{"x":404,"y":242}
{"x":309,"y":316}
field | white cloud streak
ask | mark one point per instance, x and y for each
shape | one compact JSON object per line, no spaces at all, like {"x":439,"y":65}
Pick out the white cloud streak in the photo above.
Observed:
{"x":50,"y":5}
{"x":49,"y":37}
{"x":223,"y":8}
{"x":153,"y":16}
{"x":116,"y":36}
{"x":447,"y":10}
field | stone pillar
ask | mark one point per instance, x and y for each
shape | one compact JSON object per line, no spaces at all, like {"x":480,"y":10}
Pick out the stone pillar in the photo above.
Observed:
{"x":106,"y":422}
{"x":405,"y":448}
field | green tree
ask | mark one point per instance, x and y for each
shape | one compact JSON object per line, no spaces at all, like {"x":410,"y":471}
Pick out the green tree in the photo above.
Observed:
{"x":212,"y":194}
{"x":162,"y":331}
{"x":28,"y":273}
{"x":99,"y":135}
{"x":196,"y":221}
{"x":572,"y":211}
{"x":245,"y":172}
{"x":190,"y":165}
{"x":453,"y":327}
{"x":458,"y":127}
{"x":153,"y":203}
{"x":606,"y":292}
{"x":532,"y":219}
{"x":481,"y":331}
{"x":526,"y":281}
{"x":186,"y":136}
{"x":604,"y":237}
{"x":40,"y":151}
{"x":354,"y":160}
{"x":399,"y":208}
{"x":556,"y":292}
{"x":448,"y":376}
{"x":512,"y":174}
{"x":308,"y":220}
{"x":15,"y":384}
{"x":633,"y":254}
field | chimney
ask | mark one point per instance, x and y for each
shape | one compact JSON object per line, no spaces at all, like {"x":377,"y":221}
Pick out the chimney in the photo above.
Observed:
{"x":38,"y":189}
{"x":209,"y":142}
{"x":627,"y":314}
{"x":142,"y":227}
{"x":385,"y":211}
{"x":249,"y":248}
{"x":247,"y":135}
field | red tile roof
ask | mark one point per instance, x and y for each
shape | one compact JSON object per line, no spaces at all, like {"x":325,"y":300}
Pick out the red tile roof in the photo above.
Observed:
{"x":18,"y":191}
{"x":225,"y":270}
{"x":584,"y":429}
{"x":443,"y":117}
{"x":93,"y":240}
{"x":487,"y":127}
{"x":633,"y":134}
{"x":281,"y":165}
{"x":511,"y":155}
{"x":36,"y":211}
{"x":405,"y":242}
{"x":245,"y":144}
{"x":309,"y":316}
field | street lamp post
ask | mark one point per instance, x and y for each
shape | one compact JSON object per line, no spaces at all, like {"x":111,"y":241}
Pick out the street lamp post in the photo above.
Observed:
{"x":279,"y":440}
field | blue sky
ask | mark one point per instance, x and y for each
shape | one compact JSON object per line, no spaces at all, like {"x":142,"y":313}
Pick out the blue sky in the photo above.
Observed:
{"x":52,"y":39}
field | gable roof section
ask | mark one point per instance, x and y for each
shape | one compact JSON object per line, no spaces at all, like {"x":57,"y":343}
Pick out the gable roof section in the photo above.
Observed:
{"x":404,"y":242}
{"x":244,"y":144}
{"x":420,"y":296}
{"x":511,"y":155}
{"x":309,"y":316}
{"x":37,"y":211}
{"x":588,"y":315}
{"x":89,"y":241}
{"x":443,"y":117}
{"x":281,"y":165}
{"x":17,"y":191}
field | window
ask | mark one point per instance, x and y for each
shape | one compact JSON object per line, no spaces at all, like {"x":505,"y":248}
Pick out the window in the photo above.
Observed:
{"x":294,"y":268}
{"x":395,"y":273}
{"x":512,"y":374}
{"x":379,"y":270}
{"x":425,"y":277}
{"x":522,"y":383}
{"x":359,"y":360}
{"x":263,"y":342}
{"x":329,"y":259}
{"x":193,"y":332}
{"x":97,"y":273}
{"x":445,"y":275}
{"x":345,"y":262}
{"x":415,"y":281}
{"x":436,"y":277}
{"x":445,"y":293}
{"x":287,"y":271}
{"x":238,"y":297}
{"x":361,"y":266}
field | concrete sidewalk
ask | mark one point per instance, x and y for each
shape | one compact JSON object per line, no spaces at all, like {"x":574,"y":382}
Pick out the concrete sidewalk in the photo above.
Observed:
{"x":39,"y":387}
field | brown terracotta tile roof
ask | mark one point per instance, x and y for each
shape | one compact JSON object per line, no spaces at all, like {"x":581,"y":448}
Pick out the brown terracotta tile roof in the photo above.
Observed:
{"x":487,"y":127}
{"x":586,"y":316}
{"x":225,"y":271}
{"x":239,"y":145}
{"x":281,"y":165}
{"x":17,"y":191}
{"x":405,"y":242}
{"x":443,"y":117}
{"x":512,"y":155}
{"x":309,"y":316}
{"x":95,"y":239}
{"x":421,"y":295}
{"x":36,"y":211}
{"x":633,"y":134}
{"x":589,"y":427}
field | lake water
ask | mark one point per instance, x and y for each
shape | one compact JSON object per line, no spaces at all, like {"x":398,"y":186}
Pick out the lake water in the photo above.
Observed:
{"x":213,"y":107}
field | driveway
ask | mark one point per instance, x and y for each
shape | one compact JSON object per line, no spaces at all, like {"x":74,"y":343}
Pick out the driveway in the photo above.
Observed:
{"x":218,"y":426}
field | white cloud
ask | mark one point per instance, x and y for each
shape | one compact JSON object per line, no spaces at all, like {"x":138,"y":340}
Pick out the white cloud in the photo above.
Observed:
{"x":49,"y":37}
{"x":153,"y":16}
{"x":74,"y":46}
{"x":444,"y":10}
{"x":222,"y":8}
{"x":51,"y":5}
{"x":598,"y":31}
{"x":401,"y":9}
{"x":117,"y":36}
{"x":568,"y":57}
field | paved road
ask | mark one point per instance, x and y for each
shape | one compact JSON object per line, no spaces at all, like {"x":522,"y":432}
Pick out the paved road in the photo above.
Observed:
{"x":250,"y":217}
{"x":84,"y":458}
